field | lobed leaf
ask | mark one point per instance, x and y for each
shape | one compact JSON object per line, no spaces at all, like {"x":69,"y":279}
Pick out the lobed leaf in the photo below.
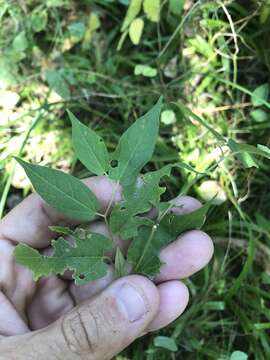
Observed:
{"x":144,"y":250}
{"x":139,"y":198}
{"x":85,"y":258}
{"x":63,"y":192}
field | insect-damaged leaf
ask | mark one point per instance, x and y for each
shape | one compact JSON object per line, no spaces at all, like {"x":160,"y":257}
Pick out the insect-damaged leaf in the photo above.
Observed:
{"x":139,"y":197}
{"x":89,"y":147}
{"x":63,"y":192}
{"x":85,"y":258}
{"x":144,"y":251}
{"x":136,"y":146}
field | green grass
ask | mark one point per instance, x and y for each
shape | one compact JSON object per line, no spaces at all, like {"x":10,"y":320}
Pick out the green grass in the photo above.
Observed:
{"x":209,"y":58}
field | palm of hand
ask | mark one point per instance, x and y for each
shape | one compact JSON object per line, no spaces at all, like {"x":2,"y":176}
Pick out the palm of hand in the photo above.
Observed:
{"x":27,"y":306}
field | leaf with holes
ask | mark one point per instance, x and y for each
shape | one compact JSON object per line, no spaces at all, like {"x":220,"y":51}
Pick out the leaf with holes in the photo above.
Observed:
{"x":133,"y":151}
{"x":85,"y":258}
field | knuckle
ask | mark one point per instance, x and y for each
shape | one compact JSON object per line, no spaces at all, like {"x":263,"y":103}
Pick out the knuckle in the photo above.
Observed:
{"x":80,"y":332}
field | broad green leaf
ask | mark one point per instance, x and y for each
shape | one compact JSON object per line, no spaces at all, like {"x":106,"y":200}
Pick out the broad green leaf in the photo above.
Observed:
{"x":89,"y":147}
{"x":238,"y":355}
{"x":57,"y":83}
{"x":85,"y":258}
{"x":77,"y":30}
{"x":20,"y":42}
{"x":165,"y":342}
{"x":139,"y":198}
{"x":145,"y":248}
{"x":120,"y":264}
{"x":168,"y":117}
{"x":39,"y":19}
{"x":176,"y":6}
{"x":136,"y":146}
{"x":174,"y":224}
{"x":133,"y":10}
{"x":145,"y":70}
{"x":135,"y":30}
{"x":259,"y":115}
{"x":265,"y":149}
{"x":260,"y":95}
{"x":63,"y":192}
{"x":241,"y":154}
{"x":151,"y":9}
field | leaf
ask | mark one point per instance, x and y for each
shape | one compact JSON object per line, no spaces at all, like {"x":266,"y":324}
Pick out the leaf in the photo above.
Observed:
{"x":241,"y":154}
{"x":259,"y":115}
{"x":136,"y":146}
{"x":89,"y":147}
{"x":165,"y":342}
{"x":20,"y":42}
{"x":168,"y":117}
{"x":260,"y":95}
{"x":238,"y":355}
{"x":120,"y":264}
{"x":175,"y":224}
{"x":139,"y":198}
{"x":151,"y":9}
{"x":57,"y":83}
{"x":145,"y":70}
{"x":135,"y":30}
{"x":63,"y":192}
{"x":92,"y":26}
{"x":39,"y":19}
{"x":85,"y":258}
{"x":143,"y":253}
{"x":133,"y":10}
{"x":176,"y":6}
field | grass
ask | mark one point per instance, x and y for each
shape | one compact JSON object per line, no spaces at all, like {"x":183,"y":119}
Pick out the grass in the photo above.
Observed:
{"x":209,"y":58}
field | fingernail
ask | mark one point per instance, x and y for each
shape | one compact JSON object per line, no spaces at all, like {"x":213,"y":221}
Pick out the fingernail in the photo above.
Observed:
{"x":131,"y":302}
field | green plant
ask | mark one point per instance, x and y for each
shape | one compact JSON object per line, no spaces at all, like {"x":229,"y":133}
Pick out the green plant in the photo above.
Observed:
{"x":86,"y":257}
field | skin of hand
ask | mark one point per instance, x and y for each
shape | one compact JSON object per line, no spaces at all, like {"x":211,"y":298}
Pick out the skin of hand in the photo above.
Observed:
{"x":54,"y":319}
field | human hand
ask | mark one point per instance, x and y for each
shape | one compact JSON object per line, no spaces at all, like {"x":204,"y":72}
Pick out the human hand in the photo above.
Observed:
{"x":54,"y":319}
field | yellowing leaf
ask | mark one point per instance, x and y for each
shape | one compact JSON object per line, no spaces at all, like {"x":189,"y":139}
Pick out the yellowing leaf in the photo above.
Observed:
{"x":92,"y":27}
{"x":135,"y":30}
{"x":151,"y":9}
{"x":133,"y":10}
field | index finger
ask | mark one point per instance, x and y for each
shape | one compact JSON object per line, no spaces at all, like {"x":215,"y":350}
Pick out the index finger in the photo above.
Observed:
{"x":29,"y":221}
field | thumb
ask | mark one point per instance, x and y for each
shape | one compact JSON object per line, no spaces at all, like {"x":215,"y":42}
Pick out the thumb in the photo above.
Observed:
{"x":99,"y":328}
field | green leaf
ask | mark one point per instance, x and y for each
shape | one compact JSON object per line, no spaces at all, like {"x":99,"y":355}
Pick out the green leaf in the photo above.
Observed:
{"x":136,"y":146}
{"x":260,"y":95}
{"x":89,"y":147}
{"x":238,"y":355}
{"x":39,"y":19}
{"x":151,"y":9}
{"x":57,"y":83}
{"x":85,"y":258}
{"x":241,"y":154}
{"x":165,"y":342}
{"x":259,"y":115}
{"x":133,"y":10}
{"x":143,"y":253}
{"x":135,"y":30}
{"x":174,"y":224}
{"x":20,"y":42}
{"x":145,"y":70}
{"x":168,"y":117}
{"x":120,"y":264}
{"x":63,"y":192}
{"x":176,"y":6}
{"x":139,"y":198}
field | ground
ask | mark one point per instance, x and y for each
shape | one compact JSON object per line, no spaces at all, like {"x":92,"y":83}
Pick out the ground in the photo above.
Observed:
{"x":211,"y":61}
